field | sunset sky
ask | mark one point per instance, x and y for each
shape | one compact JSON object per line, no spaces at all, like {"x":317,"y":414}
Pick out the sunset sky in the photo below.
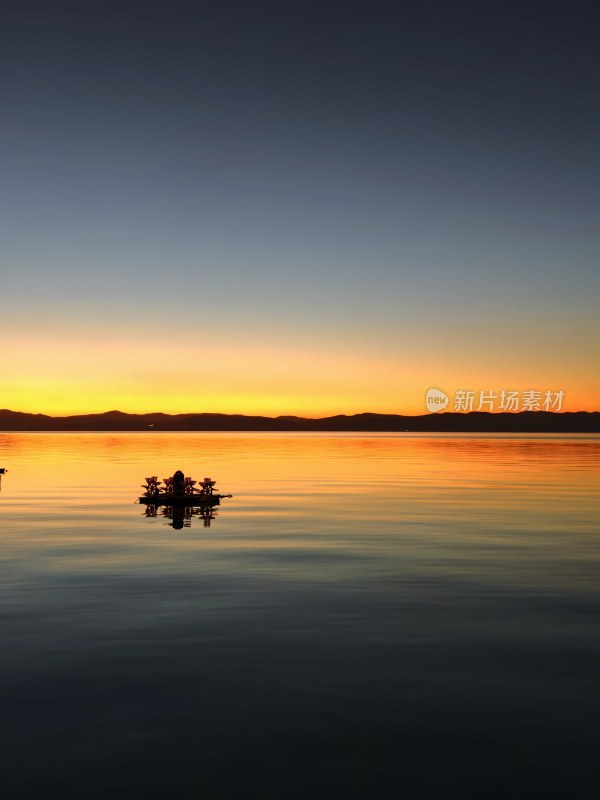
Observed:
{"x":297,"y":207}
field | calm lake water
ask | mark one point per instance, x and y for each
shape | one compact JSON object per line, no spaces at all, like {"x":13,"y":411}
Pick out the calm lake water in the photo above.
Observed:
{"x":369,"y":616}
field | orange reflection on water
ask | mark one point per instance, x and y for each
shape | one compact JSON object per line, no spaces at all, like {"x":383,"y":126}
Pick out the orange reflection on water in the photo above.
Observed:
{"x":75,"y":466}
{"x":307,"y":505}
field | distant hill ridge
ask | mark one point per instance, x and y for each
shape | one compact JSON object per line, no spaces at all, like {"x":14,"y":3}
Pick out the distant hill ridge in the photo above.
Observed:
{"x":475,"y":422}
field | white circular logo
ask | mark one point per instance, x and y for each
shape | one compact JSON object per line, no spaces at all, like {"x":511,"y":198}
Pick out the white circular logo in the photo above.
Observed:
{"x":435,"y":400}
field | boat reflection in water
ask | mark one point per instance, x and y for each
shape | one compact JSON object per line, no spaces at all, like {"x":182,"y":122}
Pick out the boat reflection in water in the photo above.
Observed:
{"x":181,"y":516}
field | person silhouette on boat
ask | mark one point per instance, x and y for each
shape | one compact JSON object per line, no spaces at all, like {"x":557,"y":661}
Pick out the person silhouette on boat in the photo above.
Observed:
{"x":178,"y":482}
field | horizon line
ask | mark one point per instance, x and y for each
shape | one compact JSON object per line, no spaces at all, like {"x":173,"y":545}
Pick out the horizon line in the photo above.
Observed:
{"x":292,"y":416}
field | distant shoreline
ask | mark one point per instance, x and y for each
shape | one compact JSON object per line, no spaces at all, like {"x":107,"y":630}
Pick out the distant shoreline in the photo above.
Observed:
{"x":473,"y":422}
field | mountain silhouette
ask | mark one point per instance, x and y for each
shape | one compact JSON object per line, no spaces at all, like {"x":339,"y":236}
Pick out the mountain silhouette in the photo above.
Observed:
{"x":474,"y":422}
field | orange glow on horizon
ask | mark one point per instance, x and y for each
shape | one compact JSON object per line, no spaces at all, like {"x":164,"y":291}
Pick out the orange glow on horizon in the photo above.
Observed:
{"x":63,"y":376}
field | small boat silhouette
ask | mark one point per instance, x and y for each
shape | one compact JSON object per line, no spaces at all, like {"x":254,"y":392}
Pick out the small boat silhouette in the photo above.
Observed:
{"x":180,"y":490}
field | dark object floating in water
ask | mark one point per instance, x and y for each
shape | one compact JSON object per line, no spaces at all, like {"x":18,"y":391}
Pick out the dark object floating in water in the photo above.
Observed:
{"x":183,"y":500}
{"x":180,"y":490}
{"x":3,"y":470}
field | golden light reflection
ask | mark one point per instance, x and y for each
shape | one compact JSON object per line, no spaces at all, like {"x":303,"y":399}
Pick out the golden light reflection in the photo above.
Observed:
{"x":74,"y":467}
{"x":444,"y":504}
